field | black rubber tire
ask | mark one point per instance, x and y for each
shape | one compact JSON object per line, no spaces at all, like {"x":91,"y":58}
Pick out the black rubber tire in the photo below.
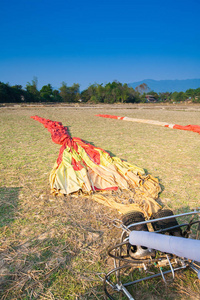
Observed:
{"x":166,"y":223}
{"x":135,"y":217}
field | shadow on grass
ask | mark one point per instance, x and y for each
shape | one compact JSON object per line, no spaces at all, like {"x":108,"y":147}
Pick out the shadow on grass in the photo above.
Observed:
{"x":8,"y":204}
{"x":68,"y":129}
{"x":54,"y":262}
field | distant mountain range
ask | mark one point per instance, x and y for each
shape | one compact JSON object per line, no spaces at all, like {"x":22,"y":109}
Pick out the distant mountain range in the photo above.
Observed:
{"x":162,"y":86}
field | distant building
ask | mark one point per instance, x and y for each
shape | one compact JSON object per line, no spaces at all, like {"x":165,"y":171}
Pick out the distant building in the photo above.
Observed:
{"x":150,"y":98}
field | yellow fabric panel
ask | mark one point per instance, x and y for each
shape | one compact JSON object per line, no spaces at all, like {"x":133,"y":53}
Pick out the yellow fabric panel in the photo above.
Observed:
{"x":148,"y":206}
{"x":112,"y":172}
{"x":124,"y":166}
{"x":65,"y":179}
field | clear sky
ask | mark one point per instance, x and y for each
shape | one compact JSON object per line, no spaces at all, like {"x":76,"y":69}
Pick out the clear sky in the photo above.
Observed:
{"x":98,"y":41}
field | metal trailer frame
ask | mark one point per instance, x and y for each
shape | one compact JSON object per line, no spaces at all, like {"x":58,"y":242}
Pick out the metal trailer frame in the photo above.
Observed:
{"x":172,"y":262}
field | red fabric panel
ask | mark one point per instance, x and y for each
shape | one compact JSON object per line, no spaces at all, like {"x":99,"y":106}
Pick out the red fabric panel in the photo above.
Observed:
{"x":90,"y":150}
{"x":110,"y":116}
{"x":59,"y":159}
{"x":194,"y":128}
{"x":59,"y":133}
{"x":115,"y":188}
{"x":93,"y":154}
{"x":76,"y":165}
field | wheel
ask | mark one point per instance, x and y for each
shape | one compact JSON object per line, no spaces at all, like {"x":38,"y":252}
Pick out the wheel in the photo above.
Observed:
{"x":134,"y":217}
{"x":134,"y":251}
{"x":166,"y":223}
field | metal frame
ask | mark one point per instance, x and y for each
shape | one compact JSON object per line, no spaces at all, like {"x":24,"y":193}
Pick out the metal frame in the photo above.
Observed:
{"x":123,"y":262}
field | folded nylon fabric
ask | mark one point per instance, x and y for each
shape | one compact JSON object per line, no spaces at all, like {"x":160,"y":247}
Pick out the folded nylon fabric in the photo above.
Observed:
{"x":194,"y":128}
{"x":83,"y":167}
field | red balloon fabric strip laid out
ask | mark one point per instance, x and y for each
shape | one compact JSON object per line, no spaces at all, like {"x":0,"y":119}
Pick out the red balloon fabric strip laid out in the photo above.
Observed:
{"x":194,"y":128}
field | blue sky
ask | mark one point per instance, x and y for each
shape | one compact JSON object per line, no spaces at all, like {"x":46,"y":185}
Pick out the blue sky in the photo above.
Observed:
{"x":98,"y":41}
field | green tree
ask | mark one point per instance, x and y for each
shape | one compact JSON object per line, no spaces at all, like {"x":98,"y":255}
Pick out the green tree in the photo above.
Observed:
{"x":196,"y":97}
{"x":46,"y":93}
{"x":56,"y":96}
{"x":92,"y":93}
{"x":12,"y":94}
{"x":127,"y":94}
{"x":112,"y":92}
{"x":109,"y":93}
{"x":165,"y":96}
{"x":190,"y":93}
{"x":64,"y":92}
{"x":18,"y":93}
{"x":74,"y":91}
{"x":100,"y":93}
{"x":5,"y":93}
{"x":32,"y":91}
{"x":181,"y":96}
{"x":197,"y":92}
{"x":70,"y":94}
{"x":85,"y":97}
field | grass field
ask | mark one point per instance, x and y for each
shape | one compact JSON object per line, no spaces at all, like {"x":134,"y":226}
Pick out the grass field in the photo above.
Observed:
{"x":54,"y":247}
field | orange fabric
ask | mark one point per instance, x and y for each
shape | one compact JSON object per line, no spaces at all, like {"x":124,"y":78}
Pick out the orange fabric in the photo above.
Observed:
{"x":60,"y":135}
{"x":194,"y":128}
{"x":110,"y":116}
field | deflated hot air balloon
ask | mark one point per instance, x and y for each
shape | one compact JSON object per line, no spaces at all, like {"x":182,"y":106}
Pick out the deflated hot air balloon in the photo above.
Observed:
{"x":82,"y":167}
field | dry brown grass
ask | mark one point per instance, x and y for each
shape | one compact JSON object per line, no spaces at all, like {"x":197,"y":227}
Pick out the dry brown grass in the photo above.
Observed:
{"x":55,"y":247}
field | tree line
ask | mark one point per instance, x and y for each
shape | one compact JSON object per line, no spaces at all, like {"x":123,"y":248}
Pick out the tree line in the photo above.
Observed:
{"x":114,"y":92}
